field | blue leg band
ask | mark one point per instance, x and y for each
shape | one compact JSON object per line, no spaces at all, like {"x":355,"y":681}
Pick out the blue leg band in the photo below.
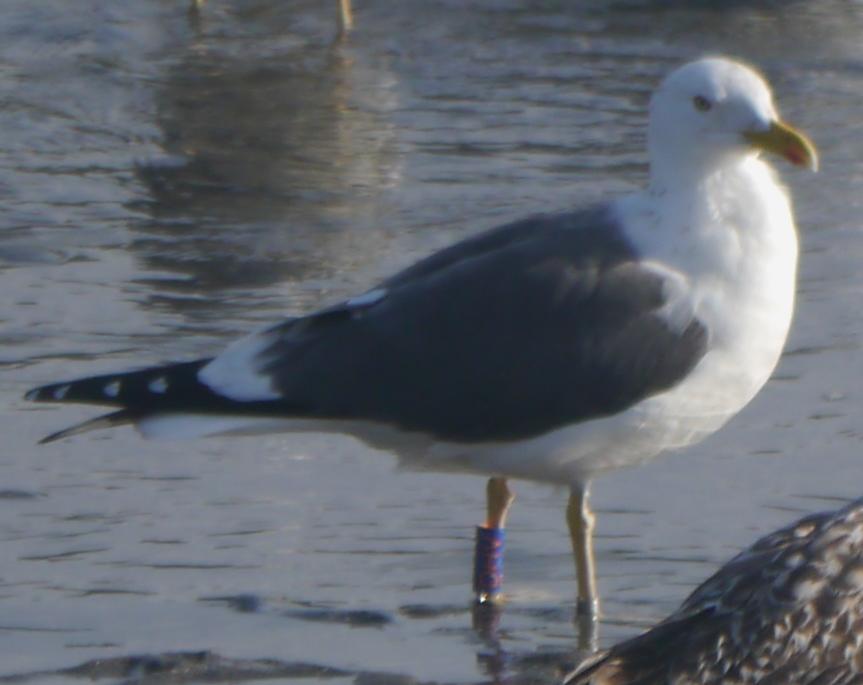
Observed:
{"x":488,"y":563}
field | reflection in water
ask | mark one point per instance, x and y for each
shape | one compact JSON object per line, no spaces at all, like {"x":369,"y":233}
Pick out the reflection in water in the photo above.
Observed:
{"x":485,"y":620}
{"x":499,"y":661}
{"x":269,"y":163}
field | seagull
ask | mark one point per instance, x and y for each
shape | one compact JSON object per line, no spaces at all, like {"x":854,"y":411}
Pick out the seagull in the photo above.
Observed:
{"x":787,"y":610}
{"x":554,"y":348}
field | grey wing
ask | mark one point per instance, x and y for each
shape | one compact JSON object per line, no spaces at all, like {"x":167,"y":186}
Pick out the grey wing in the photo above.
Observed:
{"x":538,"y":324}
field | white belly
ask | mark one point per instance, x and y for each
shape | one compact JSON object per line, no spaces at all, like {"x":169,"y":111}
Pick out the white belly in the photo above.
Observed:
{"x":738,"y":274}
{"x":741,"y":272}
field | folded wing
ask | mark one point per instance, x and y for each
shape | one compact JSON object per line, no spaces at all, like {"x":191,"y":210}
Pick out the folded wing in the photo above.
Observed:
{"x":537,"y":324}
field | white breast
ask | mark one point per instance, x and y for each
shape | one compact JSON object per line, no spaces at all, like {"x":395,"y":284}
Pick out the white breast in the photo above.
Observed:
{"x":739,"y":257}
{"x":735,"y":251}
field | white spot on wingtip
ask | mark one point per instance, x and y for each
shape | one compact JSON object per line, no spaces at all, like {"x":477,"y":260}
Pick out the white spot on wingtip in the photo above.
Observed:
{"x":60,"y":393}
{"x":112,"y":389}
{"x":32,"y":396}
{"x":367,"y":299}
{"x":158,"y":385}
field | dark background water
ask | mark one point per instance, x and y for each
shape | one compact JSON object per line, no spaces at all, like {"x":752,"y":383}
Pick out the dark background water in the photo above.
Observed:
{"x":170,"y":181}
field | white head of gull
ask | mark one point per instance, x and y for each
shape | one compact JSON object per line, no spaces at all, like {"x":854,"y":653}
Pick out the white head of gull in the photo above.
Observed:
{"x":715,"y":113}
{"x":554,"y":348}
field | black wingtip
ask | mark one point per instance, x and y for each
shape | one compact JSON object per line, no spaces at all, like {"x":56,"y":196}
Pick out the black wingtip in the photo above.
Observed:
{"x":55,"y":392}
{"x":53,"y":437}
{"x":34,"y":395}
{"x":117,"y":418}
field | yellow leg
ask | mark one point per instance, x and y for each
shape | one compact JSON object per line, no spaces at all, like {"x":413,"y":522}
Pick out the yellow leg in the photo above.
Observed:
{"x":498,"y":498}
{"x":581,"y":523}
{"x":346,"y":16}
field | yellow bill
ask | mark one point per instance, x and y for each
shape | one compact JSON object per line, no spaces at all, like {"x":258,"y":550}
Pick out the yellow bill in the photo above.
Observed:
{"x":786,"y":141}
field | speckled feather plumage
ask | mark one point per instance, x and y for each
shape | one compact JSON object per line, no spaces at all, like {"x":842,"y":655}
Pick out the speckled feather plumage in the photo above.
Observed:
{"x":787,"y":610}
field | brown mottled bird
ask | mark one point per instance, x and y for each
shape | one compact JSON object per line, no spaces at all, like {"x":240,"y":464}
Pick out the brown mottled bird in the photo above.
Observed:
{"x":788,"y":610}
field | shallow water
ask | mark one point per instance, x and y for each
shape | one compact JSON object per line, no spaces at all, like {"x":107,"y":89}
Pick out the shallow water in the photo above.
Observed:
{"x":170,"y":181}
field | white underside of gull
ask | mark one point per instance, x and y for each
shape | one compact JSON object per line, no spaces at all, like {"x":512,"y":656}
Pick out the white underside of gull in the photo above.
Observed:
{"x":734,"y":243}
{"x":728,"y":241}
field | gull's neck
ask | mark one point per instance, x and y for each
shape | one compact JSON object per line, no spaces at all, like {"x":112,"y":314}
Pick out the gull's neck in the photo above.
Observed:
{"x":718,"y":218}
{"x":693,"y":172}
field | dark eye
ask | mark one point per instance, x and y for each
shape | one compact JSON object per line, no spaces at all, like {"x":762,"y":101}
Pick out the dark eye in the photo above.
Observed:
{"x":701,"y":103}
